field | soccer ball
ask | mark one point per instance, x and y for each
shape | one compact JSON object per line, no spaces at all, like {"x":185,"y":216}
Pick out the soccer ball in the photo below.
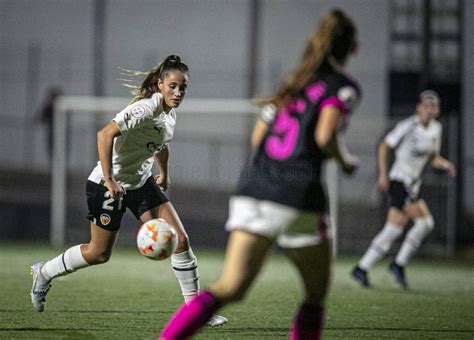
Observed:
{"x":156,"y":239}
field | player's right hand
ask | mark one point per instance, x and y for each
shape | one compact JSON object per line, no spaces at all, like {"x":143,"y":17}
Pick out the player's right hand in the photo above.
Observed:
{"x":350,"y":164}
{"x":115,"y":189}
{"x":383,"y":183}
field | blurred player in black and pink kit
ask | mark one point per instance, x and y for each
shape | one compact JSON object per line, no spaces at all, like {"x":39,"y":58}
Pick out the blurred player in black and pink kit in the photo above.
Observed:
{"x":280,"y":198}
{"x":416,"y":140}
{"x":128,"y":146}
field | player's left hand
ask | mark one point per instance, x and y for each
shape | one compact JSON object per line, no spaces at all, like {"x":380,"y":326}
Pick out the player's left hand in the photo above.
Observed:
{"x":162,"y":181}
{"x":451,"y":169}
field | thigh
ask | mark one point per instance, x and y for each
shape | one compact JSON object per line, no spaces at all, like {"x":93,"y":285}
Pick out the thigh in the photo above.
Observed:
{"x":417,"y":209}
{"x":101,"y":244}
{"x":313,"y":264}
{"x":104,"y":211}
{"x":397,"y":216}
{"x":245,"y":255}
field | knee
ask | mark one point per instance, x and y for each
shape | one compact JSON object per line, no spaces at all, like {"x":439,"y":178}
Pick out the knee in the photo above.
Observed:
{"x":422,"y":227}
{"x":102,"y":257}
{"x":424,"y":224}
{"x":96,"y":256}
{"x":429,"y":222}
{"x":236,"y":295}
{"x":389,"y":234}
{"x":183,"y":243}
{"x":228,"y":292}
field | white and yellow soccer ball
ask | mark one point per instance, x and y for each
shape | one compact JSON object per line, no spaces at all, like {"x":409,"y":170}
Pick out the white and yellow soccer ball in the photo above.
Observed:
{"x":156,"y":239}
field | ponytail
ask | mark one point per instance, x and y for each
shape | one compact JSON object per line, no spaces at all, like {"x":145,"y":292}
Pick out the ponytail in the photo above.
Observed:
{"x":149,"y":86}
{"x":329,"y":46}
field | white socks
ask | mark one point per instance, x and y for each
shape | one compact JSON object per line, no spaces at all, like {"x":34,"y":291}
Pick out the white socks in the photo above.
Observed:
{"x":422,"y":227}
{"x":389,"y":234}
{"x":185,"y":268}
{"x":65,"y":263}
{"x":380,"y":245}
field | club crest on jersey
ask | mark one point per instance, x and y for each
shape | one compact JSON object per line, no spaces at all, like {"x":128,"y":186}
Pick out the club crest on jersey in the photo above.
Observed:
{"x":105,"y":219}
{"x":138,"y":111}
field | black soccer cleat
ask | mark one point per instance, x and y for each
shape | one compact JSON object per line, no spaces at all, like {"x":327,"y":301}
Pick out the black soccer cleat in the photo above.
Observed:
{"x":399,"y":274}
{"x":360,"y":276}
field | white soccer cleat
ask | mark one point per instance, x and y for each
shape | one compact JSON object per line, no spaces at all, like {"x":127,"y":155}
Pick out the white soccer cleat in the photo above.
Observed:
{"x":216,"y":320}
{"x":40,"y":287}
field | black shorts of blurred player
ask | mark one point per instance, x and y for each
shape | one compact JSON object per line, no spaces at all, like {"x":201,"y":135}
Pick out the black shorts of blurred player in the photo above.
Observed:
{"x":400,"y":195}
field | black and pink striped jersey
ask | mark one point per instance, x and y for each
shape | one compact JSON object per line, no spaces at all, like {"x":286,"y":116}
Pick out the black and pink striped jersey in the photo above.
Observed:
{"x":286,"y":167}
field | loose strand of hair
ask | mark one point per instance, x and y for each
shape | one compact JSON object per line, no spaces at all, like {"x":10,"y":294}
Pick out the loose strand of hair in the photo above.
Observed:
{"x":316,"y":53}
{"x":149,"y":84}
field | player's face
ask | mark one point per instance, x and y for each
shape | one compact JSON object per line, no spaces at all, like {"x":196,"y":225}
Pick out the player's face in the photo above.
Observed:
{"x":428,"y":109}
{"x":173,"y":88}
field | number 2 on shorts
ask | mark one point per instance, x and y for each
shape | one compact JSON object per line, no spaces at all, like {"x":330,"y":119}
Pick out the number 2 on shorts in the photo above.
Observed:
{"x":108,"y":203}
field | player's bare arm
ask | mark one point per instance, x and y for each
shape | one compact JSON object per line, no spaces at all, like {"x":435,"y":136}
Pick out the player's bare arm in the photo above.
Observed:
{"x":265,"y":119}
{"x":441,"y":163}
{"x":105,"y":141}
{"x":259,"y":131}
{"x":330,"y":140}
{"x":162,"y":159}
{"x":383,"y":181}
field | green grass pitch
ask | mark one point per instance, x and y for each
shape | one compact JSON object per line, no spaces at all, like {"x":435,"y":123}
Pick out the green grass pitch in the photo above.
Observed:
{"x":132,"y":297}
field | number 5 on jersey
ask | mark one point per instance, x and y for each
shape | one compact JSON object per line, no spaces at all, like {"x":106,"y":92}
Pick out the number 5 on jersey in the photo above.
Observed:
{"x":282,"y":144}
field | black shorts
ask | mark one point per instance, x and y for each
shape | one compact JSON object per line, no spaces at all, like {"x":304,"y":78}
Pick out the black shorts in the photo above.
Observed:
{"x":399,"y":195}
{"x":107,"y":213}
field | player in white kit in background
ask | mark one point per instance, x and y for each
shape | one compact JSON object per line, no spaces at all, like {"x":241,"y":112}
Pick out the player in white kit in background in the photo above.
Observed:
{"x":128,"y":147}
{"x":416,"y":140}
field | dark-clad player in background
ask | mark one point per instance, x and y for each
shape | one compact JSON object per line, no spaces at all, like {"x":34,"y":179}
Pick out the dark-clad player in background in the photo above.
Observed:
{"x":280,"y":198}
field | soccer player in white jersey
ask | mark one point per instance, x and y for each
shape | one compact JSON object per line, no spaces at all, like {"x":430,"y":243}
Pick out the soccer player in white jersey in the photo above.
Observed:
{"x":128,"y":147}
{"x":416,"y":140}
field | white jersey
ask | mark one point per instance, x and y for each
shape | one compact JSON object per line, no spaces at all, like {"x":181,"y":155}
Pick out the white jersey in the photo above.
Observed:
{"x":145,"y":129}
{"x":415,"y":145}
